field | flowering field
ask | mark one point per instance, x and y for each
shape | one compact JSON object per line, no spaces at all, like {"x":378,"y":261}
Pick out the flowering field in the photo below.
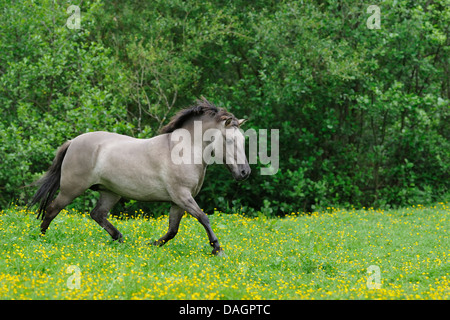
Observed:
{"x":338,"y":254}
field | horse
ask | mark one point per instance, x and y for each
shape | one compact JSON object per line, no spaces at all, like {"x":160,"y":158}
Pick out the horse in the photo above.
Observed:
{"x":144,"y":169}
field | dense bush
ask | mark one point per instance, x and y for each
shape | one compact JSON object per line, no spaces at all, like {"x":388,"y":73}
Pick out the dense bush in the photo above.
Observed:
{"x":363,"y":113}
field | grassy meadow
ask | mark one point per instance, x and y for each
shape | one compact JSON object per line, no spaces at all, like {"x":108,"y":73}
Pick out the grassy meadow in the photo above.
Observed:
{"x":329,"y":255}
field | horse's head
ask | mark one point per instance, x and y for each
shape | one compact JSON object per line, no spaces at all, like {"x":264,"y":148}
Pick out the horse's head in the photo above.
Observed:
{"x":233,"y":141}
{"x":221,"y":137}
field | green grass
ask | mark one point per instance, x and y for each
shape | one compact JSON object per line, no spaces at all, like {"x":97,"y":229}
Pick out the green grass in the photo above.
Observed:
{"x":320,"y":256}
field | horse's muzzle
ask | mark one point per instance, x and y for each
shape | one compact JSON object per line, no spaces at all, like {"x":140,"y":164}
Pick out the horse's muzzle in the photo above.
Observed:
{"x":243,"y":173}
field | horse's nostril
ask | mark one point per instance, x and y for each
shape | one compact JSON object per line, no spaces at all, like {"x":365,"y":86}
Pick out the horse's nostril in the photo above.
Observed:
{"x":244,"y":172}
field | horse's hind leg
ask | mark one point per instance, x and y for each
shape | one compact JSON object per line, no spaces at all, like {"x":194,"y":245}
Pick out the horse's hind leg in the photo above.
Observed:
{"x":105,"y":203}
{"x":60,"y":202}
{"x":176,"y":213}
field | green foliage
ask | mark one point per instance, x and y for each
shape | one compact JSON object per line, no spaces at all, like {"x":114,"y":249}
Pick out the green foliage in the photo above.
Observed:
{"x":363,"y":113}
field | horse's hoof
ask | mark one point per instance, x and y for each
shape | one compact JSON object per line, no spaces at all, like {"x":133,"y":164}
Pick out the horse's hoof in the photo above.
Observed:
{"x":118,"y":237}
{"x":158,"y":243}
{"x":218,"y":252}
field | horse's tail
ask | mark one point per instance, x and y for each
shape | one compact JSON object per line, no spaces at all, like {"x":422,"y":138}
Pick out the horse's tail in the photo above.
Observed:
{"x":50,"y":182}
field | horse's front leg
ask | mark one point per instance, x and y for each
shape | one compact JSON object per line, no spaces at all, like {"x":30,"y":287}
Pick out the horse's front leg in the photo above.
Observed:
{"x":188,"y":204}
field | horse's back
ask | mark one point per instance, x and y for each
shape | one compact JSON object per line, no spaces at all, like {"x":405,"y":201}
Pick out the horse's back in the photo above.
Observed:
{"x":85,"y":149}
{"x":92,"y":138}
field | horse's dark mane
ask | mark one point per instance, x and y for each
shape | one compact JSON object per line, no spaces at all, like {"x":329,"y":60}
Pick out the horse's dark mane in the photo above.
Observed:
{"x":201,"y":107}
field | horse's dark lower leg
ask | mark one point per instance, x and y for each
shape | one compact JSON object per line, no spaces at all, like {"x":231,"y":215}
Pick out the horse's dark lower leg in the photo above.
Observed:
{"x":192,"y":207}
{"x":60,"y":202}
{"x":213,"y":241}
{"x":176,"y":213}
{"x":105,"y":203}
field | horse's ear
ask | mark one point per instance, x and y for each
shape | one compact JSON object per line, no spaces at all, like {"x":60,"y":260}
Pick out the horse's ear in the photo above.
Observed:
{"x":228,"y":122}
{"x":241,"y":121}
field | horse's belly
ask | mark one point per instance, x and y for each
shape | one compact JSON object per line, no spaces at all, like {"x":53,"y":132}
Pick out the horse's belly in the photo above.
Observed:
{"x":137,"y":190}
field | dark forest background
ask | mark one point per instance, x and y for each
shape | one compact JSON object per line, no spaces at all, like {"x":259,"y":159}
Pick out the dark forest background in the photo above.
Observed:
{"x":363,"y":113}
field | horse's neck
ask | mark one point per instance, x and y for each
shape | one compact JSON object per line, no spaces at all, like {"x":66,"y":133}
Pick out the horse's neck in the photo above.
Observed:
{"x":197,"y":129}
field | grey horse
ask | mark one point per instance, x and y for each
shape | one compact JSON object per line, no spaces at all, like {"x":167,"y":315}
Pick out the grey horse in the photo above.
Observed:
{"x":144,"y":169}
